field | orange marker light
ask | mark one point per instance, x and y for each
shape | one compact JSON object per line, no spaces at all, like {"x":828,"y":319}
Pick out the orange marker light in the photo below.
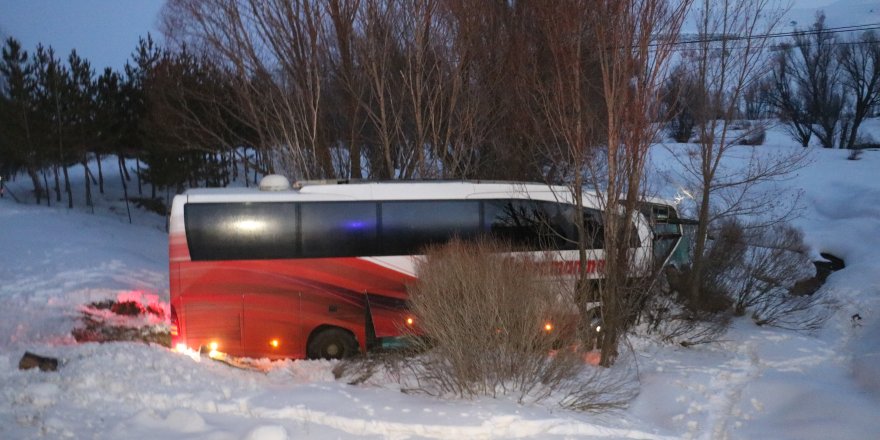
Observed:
{"x":274,"y":343}
{"x":548,"y":327}
{"x":409,"y":321}
{"x":213,"y":353}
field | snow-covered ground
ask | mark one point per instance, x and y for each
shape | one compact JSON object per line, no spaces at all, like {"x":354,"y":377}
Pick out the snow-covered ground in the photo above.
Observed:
{"x":755,"y":383}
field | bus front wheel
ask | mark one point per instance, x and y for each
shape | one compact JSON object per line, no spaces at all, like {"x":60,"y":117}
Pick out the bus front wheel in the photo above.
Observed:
{"x":332,"y":343}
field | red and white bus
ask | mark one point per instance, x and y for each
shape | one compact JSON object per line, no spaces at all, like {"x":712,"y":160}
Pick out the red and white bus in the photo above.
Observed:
{"x":320,"y":270}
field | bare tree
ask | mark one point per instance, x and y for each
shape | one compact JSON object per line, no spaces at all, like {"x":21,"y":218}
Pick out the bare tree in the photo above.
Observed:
{"x":349,"y":83}
{"x":756,"y":99}
{"x":445,"y":116}
{"x":860,"y":65}
{"x":277,"y":51}
{"x":636,"y":44}
{"x":789,"y":102}
{"x":682,"y":96}
{"x":729,"y":56}
{"x":814,"y":70}
{"x":380,"y":57}
{"x":615,"y":54}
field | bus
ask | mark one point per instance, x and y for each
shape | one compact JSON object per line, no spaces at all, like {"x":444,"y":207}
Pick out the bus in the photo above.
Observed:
{"x":320,"y":270}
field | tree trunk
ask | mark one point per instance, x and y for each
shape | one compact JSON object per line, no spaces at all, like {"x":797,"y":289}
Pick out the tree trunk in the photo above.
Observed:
{"x":86,"y":174}
{"x":124,"y":189}
{"x":35,"y":180}
{"x":46,"y":184}
{"x":57,"y":184}
{"x":100,"y":173}
{"x":67,"y":188}
{"x":244,"y":162}
{"x":123,"y":170}
{"x":700,"y":243}
{"x":137,"y":162}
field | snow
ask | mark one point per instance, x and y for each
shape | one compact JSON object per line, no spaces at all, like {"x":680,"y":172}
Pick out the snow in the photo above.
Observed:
{"x":755,"y":383}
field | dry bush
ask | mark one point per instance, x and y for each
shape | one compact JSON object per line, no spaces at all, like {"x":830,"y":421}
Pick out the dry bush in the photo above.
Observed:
{"x":757,"y":270}
{"x":775,"y":262}
{"x":481,"y":314}
{"x":764,"y":273}
{"x":667,"y":319}
{"x":674,"y":317}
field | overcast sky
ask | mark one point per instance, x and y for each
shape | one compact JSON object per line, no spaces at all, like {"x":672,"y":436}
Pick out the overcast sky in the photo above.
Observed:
{"x":103,"y":31}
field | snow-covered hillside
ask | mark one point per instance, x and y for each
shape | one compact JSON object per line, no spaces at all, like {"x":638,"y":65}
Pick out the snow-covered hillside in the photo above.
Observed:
{"x":756,"y":383}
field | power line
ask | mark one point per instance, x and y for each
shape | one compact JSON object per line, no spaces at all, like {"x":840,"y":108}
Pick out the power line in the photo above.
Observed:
{"x":830,"y":30}
{"x":778,"y":48}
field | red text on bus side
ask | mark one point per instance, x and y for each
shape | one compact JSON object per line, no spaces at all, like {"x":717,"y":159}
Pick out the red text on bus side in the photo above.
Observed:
{"x":573,"y":267}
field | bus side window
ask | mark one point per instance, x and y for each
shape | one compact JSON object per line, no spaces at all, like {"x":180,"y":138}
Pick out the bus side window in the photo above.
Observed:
{"x":531,"y":225}
{"x":339,"y":229}
{"x":513,"y":221}
{"x":240,"y":231}
{"x":594,"y":229}
{"x":409,"y":226}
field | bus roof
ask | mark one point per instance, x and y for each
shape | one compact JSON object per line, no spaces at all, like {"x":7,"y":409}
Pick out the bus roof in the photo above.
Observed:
{"x":396,"y":190}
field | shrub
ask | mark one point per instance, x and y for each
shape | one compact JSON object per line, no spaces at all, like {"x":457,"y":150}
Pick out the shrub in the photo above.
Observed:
{"x":681,"y":127}
{"x":758,"y":270}
{"x":676,"y":318}
{"x":669,"y":320}
{"x":481,"y":314}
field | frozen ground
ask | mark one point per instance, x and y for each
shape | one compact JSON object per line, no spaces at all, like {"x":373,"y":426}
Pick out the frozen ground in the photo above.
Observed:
{"x":756,"y":383}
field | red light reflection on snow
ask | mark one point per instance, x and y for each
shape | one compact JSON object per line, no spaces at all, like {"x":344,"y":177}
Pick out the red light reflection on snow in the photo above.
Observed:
{"x":155,"y":309}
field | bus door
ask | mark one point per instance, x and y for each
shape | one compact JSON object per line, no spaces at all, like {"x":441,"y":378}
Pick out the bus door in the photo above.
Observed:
{"x":671,"y":244}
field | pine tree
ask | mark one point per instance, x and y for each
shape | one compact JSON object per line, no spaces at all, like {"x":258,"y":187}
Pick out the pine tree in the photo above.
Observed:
{"x":110,"y":118}
{"x":82,"y":114}
{"x":54,"y":91}
{"x":18,"y":119}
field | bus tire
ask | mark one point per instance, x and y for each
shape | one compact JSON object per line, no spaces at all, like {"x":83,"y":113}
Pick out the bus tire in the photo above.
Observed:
{"x":332,"y":343}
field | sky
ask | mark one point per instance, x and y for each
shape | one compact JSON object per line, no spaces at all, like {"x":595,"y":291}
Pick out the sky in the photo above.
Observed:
{"x":106,"y":31}
{"x":103,"y":31}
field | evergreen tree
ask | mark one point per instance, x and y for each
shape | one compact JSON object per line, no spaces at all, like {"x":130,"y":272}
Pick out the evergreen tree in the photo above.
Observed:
{"x":82,"y":114}
{"x":110,"y":118}
{"x":54,"y":91}
{"x":18,"y":119}
{"x":144,"y":59}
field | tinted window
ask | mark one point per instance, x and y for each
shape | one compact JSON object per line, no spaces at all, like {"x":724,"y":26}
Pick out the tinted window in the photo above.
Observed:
{"x":594,"y":229}
{"x":235,"y":231}
{"x":408,"y":226}
{"x":531,"y":225}
{"x":339,"y":229}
